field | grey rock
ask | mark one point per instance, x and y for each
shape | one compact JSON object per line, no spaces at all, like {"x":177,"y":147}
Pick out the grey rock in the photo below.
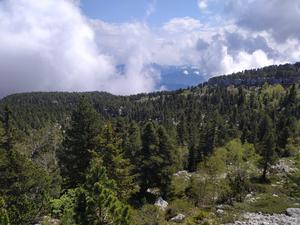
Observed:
{"x":293,"y":212}
{"x":161,"y":203}
{"x":177,"y":219}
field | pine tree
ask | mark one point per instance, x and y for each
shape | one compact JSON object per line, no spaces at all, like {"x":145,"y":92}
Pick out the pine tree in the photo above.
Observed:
{"x":148,"y":156}
{"x":118,"y":167}
{"x":4,"y":219}
{"x":167,"y":152}
{"x":26,"y":186}
{"x":158,"y":159}
{"x":133,"y":144}
{"x":7,"y":140}
{"x":97,"y":202}
{"x":81,"y":138}
{"x":267,"y":145}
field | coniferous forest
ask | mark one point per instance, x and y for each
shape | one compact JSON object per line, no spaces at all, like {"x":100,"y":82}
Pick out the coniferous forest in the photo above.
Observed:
{"x":201,"y":155}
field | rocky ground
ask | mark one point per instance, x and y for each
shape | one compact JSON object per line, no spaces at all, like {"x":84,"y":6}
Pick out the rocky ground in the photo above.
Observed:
{"x":292,"y":217}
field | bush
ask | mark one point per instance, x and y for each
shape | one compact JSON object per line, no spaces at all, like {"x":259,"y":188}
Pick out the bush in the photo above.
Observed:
{"x":148,"y":215}
{"x":179,"y":206}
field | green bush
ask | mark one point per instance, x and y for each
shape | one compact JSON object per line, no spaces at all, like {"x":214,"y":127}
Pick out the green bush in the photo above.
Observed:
{"x":179,"y":206}
{"x":148,"y":215}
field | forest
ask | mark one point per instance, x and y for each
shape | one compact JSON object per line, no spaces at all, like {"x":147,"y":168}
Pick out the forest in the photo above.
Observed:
{"x":201,"y":155}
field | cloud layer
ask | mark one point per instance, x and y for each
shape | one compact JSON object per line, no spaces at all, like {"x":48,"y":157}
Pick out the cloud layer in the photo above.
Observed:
{"x":50,"y":45}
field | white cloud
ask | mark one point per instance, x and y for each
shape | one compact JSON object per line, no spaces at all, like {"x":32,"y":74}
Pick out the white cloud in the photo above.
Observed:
{"x":182,"y":24}
{"x":202,"y":4}
{"x":150,"y":8}
{"x":280,"y":18}
{"x":50,"y":46}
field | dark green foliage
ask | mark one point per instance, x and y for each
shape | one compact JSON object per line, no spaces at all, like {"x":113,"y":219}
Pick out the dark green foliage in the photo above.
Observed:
{"x":169,"y":156}
{"x":267,"y":145}
{"x":158,"y":159}
{"x":147,"y":156}
{"x":96,"y":202}
{"x":4,"y":220}
{"x":80,"y":139}
{"x":142,"y":141}
{"x":7,"y":139}
{"x":26,"y":187}
{"x":118,"y":167}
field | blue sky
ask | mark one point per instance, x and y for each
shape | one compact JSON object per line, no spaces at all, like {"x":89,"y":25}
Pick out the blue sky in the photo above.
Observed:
{"x":121,"y":11}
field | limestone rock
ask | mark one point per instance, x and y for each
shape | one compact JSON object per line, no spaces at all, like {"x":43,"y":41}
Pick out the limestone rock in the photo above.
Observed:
{"x":178,"y":219}
{"x":161,"y":203}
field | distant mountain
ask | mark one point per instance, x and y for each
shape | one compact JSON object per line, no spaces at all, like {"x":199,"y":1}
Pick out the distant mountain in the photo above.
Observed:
{"x":286,"y":74}
{"x":174,"y":77}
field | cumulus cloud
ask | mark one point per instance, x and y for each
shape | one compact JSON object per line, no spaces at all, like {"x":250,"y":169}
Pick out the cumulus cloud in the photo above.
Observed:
{"x":280,"y":18}
{"x":50,"y":46}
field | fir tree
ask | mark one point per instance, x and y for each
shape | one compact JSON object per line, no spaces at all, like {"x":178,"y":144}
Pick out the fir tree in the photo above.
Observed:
{"x":158,"y":159}
{"x":118,"y":167}
{"x":267,"y":146}
{"x":148,"y":158}
{"x":81,"y":138}
{"x":26,"y":186}
{"x":168,"y":154}
{"x":97,"y":202}
{"x":7,"y":140}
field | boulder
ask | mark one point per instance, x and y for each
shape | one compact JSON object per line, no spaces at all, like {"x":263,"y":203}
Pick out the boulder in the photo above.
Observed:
{"x":178,"y":219}
{"x":220,"y":211}
{"x":293,"y":212}
{"x":161,"y":203}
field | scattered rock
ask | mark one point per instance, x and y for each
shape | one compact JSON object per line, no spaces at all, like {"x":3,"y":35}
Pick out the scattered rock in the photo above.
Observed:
{"x":220,"y":211}
{"x":161,"y":203}
{"x":293,"y":212}
{"x":220,"y":207}
{"x":185,"y":174}
{"x":154,"y":191}
{"x":284,"y":166}
{"x":292,"y":218}
{"x":178,"y":219}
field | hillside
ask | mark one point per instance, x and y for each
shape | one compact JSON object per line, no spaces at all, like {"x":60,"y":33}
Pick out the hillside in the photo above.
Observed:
{"x":287,"y":74}
{"x":217,"y":153}
{"x":35,"y":109}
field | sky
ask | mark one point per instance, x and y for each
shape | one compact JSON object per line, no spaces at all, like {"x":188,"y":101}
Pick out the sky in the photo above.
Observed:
{"x":76,"y":45}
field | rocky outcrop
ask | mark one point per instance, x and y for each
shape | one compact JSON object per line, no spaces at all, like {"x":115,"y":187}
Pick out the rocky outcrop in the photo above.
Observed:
{"x":161,"y":203}
{"x":292,"y":217}
{"x":284,"y":166}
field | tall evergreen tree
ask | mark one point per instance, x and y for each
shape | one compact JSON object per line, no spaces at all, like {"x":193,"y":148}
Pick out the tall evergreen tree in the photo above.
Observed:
{"x":267,"y":145}
{"x":168,"y":154}
{"x":24,"y":186}
{"x":158,"y":159}
{"x":80,"y":139}
{"x":149,"y":152}
{"x":97,"y":202}
{"x":118,"y":167}
{"x":7,"y":140}
{"x":134,"y":145}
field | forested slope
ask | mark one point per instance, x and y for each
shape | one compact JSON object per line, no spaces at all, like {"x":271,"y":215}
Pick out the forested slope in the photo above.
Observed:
{"x":106,"y":159}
